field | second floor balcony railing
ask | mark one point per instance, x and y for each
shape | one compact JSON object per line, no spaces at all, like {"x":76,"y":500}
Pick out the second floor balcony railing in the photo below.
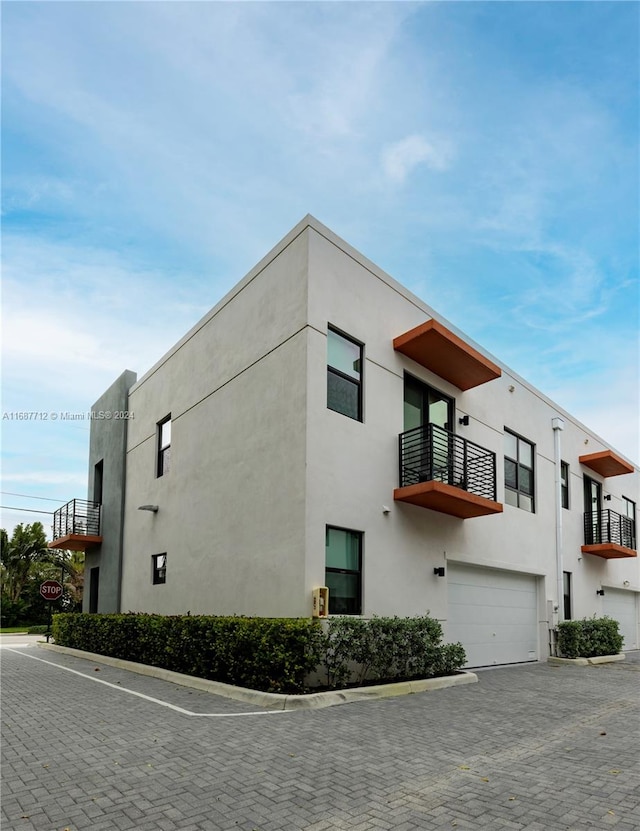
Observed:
{"x":607,"y":526}
{"x":78,"y":517}
{"x":431,"y":453}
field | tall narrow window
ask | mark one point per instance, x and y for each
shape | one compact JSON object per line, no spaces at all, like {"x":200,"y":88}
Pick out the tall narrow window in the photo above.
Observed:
{"x":566,"y":592}
{"x":564,"y":484}
{"x":518,"y":472}
{"x":159,"y":564}
{"x":94,"y":586}
{"x":343,"y":574}
{"x":97,"y":482}
{"x":164,"y":446}
{"x":344,"y":375}
{"x":629,"y":523}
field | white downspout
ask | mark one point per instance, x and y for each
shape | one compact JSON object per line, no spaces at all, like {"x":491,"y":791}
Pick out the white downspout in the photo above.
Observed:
{"x":558,"y":425}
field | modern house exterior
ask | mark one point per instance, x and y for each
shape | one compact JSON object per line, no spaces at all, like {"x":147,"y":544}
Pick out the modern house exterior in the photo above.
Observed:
{"x":322,"y":426}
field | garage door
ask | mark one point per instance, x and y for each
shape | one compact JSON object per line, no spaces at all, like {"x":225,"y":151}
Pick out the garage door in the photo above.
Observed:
{"x":621,"y":606}
{"x":493,"y":613}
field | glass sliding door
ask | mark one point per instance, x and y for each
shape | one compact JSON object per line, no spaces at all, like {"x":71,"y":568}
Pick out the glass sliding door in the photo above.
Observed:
{"x":592,"y":507}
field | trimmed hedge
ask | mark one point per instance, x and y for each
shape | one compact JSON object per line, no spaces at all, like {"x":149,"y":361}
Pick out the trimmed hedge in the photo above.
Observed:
{"x":387,"y":649}
{"x":589,"y":638}
{"x":271,"y":654}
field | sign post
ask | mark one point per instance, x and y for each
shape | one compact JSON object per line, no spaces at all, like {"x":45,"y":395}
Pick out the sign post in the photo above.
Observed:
{"x":51,"y":590}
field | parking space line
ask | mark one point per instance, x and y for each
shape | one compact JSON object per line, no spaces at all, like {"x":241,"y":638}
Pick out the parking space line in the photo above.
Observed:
{"x":120,"y":688}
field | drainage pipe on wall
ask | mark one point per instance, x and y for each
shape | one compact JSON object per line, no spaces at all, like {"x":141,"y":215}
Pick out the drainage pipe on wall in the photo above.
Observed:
{"x":558,"y":425}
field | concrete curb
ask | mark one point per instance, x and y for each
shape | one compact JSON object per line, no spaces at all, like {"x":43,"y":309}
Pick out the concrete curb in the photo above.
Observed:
{"x":275,"y":701}
{"x":583,"y":662}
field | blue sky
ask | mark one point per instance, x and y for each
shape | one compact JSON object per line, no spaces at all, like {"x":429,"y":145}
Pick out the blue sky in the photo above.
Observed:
{"x":484,"y":154}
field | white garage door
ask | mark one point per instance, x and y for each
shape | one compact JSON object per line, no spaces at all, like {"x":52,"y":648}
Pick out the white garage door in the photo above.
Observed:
{"x":621,"y":606}
{"x":493,"y":613}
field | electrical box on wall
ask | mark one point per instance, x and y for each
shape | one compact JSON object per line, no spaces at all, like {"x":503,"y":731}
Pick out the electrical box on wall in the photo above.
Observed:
{"x":552,"y":614}
{"x":320,"y":602}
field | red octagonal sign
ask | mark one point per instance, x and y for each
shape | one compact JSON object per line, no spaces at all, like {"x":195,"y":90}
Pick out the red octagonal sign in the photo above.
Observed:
{"x":51,"y":590}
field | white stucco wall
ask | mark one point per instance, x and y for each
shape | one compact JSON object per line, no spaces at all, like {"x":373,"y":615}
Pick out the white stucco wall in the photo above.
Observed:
{"x":231,"y":509}
{"x":352,"y":467}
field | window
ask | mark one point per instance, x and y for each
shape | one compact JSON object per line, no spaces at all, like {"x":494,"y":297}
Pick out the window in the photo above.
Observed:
{"x":344,"y":375}
{"x":159,"y":563}
{"x":97,"y":482}
{"x":518,"y":472}
{"x":94,"y":587}
{"x":566,"y":592}
{"x":343,"y":574}
{"x":564,"y":485}
{"x":164,"y":446}
{"x":629,"y":526}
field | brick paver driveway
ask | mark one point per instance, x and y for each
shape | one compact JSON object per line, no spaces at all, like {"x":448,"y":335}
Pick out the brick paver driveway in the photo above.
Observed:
{"x":528,"y":747}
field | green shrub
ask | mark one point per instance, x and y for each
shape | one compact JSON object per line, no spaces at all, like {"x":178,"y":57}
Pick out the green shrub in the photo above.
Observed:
{"x":260,"y":653}
{"x":589,"y":637}
{"x":387,"y":649}
{"x":37,"y":630}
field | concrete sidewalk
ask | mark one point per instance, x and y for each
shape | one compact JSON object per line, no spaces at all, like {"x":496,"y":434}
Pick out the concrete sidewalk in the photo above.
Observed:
{"x":532,"y":747}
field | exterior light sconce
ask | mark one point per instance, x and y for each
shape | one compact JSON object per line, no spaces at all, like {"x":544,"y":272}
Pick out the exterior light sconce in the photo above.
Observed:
{"x":439,"y":572}
{"x":511,"y":388}
{"x":386,"y":509}
{"x":464,"y":420}
{"x":152,"y":508}
{"x":607,"y":497}
{"x":626,"y":583}
{"x":600,"y":592}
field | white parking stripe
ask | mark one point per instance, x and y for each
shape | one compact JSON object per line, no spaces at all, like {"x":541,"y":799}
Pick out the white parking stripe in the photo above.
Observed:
{"x":150,"y":698}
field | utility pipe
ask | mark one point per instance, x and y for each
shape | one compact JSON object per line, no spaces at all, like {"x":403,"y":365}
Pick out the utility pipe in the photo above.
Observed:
{"x":558,"y":425}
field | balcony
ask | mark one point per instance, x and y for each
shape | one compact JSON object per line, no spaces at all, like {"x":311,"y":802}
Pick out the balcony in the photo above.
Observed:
{"x":76,"y":526}
{"x":437,"y":348}
{"x":609,"y":535}
{"x":446,"y":473}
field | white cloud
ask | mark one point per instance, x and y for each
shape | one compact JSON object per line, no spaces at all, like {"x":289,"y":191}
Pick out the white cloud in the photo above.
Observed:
{"x":402,"y":157}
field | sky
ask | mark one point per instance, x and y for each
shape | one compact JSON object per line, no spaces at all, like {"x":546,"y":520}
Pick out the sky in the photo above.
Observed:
{"x":483,"y":154}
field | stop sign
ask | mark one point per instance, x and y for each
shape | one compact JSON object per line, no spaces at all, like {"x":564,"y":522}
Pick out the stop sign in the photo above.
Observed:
{"x":51,"y":590}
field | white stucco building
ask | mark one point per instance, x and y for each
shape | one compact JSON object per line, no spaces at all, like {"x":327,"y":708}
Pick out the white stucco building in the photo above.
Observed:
{"x":260,"y":458}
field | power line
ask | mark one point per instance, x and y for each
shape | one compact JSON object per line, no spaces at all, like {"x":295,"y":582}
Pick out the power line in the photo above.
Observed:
{"x":29,"y":496}
{"x":27,"y":510}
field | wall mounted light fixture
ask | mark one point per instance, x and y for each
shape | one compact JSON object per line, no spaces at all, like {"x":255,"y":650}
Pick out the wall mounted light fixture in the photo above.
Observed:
{"x":607,"y":497}
{"x":600,"y":592}
{"x":152,"y":508}
{"x":439,"y":572}
{"x":464,"y":420}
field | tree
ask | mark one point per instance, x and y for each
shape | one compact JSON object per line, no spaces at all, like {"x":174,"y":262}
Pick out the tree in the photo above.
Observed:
{"x":27,"y":547}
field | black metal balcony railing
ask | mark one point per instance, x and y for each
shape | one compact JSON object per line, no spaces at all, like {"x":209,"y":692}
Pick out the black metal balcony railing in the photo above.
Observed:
{"x":609,"y":527}
{"x":431,"y":453}
{"x":77,"y":517}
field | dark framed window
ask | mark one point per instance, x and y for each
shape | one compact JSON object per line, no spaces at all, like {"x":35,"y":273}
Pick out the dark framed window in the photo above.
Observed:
{"x":629,"y":527}
{"x":164,"y":446}
{"x":343,"y":575}
{"x":159,"y":568}
{"x":98,"y":472}
{"x":344,"y":375}
{"x":566,"y":595}
{"x":519,"y":472}
{"x":564,"y":485}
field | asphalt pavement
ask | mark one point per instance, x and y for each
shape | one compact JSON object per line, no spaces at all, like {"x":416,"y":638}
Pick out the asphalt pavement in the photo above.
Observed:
{"x":88,"y":747}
